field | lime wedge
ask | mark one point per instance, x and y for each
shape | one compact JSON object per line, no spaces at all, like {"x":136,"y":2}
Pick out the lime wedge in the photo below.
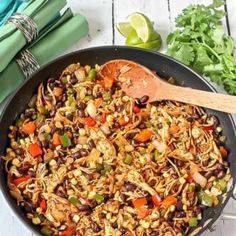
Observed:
{"x":124,"y":28}
{"x":133,"y":39}
{"x":142,"y":25}
{"x":154,"y":45}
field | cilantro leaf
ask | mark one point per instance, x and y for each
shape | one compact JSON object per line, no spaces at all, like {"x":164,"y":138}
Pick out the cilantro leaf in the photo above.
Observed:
{"x":200,"y":42}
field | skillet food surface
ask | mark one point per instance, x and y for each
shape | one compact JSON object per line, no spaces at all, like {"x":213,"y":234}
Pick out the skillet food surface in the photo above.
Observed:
{"x":84,"y":158}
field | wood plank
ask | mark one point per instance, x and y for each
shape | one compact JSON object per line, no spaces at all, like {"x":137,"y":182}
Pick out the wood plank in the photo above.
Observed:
{"x":157,"y":11}
{"x":10,"y":225}
{"x":231,"y":8}
{"x":99,"y":16}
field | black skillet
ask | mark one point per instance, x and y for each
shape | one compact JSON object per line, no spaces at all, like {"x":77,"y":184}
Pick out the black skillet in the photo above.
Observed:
{"x":165,"y":67}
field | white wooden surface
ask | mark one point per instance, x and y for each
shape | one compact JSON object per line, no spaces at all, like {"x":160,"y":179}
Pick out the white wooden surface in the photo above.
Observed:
{"x":102,"y":15}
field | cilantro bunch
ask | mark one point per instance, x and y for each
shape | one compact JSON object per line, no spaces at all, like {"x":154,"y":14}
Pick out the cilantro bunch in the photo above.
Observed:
{"x":201,"y":43}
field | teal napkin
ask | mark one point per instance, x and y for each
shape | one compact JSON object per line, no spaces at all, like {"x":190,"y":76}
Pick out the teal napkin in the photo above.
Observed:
{"x":8,"y":7}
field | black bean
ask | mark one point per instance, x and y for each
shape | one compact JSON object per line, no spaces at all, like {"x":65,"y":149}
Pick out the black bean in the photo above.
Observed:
{"x":51,"y":80}
{"x":89,"y":177}
{"x":91,"y":144}
{"x":29,"y":113}
{"x":189,"y":119}
{"x":149,"y":199}
{"x":154,"y":233}
{"x":81,"y":105}
{"x":87,"y":212}
{"x":159,"y":126}
{"x":93,"y":203}
{"x":205,"y":163}
{"x":95,"y":227}
{"x":179,"y":206}
{"x":64,"y":97}
{"x":208,"y":174}
{"x":59,"y":104}
{"x":114,"y":225}
{"x":81,"y":113}
{"x":102,"y":215}
{"x":180,"y":214}
{"x":131,"y":135}
{"x":76,"y":155}
{"x":44,"y":144}
{"x":24,"y":168}
{"x":197,"y":187}
{"x":170,"y":217}
{"x":70,"y":116}
{"x":19,"y":151}
{"x":123,"y":197}
{"x":143,"y":99}
{"x":130,"y":186}
{"x":89,"y":91}
{"x":81,"y":126}
{"x":52,"y":113}
{"x":84,"y":207}
{"x":99,"y":94}
{"x":221,"y":174}
{"x":221,"y":167}
{"x":119,"y":108}
{"x":112,"y":90}
{"x":116,"y":125}
{"x":179,"y":163}
{"x":142,"y":126}
{"x":51,"y":146}
{"x":84,"y":152}
{"x":122,"y":230}
{"x":73,"y":80}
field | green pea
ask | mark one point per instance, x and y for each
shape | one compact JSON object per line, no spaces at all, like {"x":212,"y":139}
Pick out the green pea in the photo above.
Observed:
{"x":74,"y":201}
{"x":128,"y":159}
{"x":193,"y":222}
{"x":92,"y":75}
{"x":46,"y":231}
{"x":99,"y":198}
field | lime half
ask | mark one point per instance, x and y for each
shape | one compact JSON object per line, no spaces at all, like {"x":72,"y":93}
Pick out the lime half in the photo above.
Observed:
{"x":142,"y":25}
{"x":133,"y":39}
{"x":154,"y":45}
{"x":124,"y":28}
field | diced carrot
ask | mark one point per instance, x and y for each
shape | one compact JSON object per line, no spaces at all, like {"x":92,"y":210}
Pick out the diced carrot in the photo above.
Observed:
{"x":122,"y":121}
{"x":89,"y":121}
{"x":208,"y":129}
{"x":108,"y":82}
{"x":56,"y":141}
{"x":168,"y":201}
{"x":143,"y":212}
{"x":43,"y":205}
{"x":35,"y":150}
{"x":103,"y":117}
{"x":144,"y":135}
{"x":128,"y":234}
{"x":223,"y":151}
{"x":29,"y":128}
{"x":156,"y":200}
{"x":98,"y":102}
{"x":136,"y":109}
{"x":174,"y":129}
{"x":20,"y":180}
{"x":139,"y":202}
{"x":68,"y":232}
{"x":189,"y":178}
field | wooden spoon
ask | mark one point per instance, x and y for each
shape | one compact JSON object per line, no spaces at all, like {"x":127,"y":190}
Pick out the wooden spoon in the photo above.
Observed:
{"x":138,"y":81}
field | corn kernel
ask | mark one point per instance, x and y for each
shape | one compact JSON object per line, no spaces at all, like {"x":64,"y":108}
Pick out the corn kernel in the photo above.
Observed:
{"x":82,"y":132}
{"x":76,"y":218}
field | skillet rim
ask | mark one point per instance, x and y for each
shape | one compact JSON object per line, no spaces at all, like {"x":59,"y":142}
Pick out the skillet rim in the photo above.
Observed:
{"x":24,"y":220}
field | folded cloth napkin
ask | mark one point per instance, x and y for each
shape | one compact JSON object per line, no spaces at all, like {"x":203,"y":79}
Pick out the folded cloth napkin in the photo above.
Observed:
{"x":8,"y":7}
{"x":67,"y":31}
{"x":12,"y":40}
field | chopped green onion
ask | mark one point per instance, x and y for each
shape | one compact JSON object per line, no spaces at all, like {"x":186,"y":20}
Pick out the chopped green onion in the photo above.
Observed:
{"x":42,"y":110}
{"x":107,"y":167}
{"x":19,"y":122}
{"x":71,"y":99}
{"x":65,"y":140}
{"x":92,"y":75}
{"x":46,"y":231}
{"x":128,"y":159}
{"x":103,"y":172}
{"x":64,"y":80}
{"x":142,"y":151}
{"x":106,"y":96}
{"x":88,"y":98}
{"x":99,"y":167}
{"x":221,"y":184}
{"x":74,"y":201}
{"x":47,"y":136}
{"x":99,"y":198}
{"x":193,"y":222}
{"x":222,"y":139}
{"x":205,"y":199}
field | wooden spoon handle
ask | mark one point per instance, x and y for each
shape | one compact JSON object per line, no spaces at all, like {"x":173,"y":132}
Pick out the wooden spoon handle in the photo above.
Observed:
{"x":216,"y":101}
